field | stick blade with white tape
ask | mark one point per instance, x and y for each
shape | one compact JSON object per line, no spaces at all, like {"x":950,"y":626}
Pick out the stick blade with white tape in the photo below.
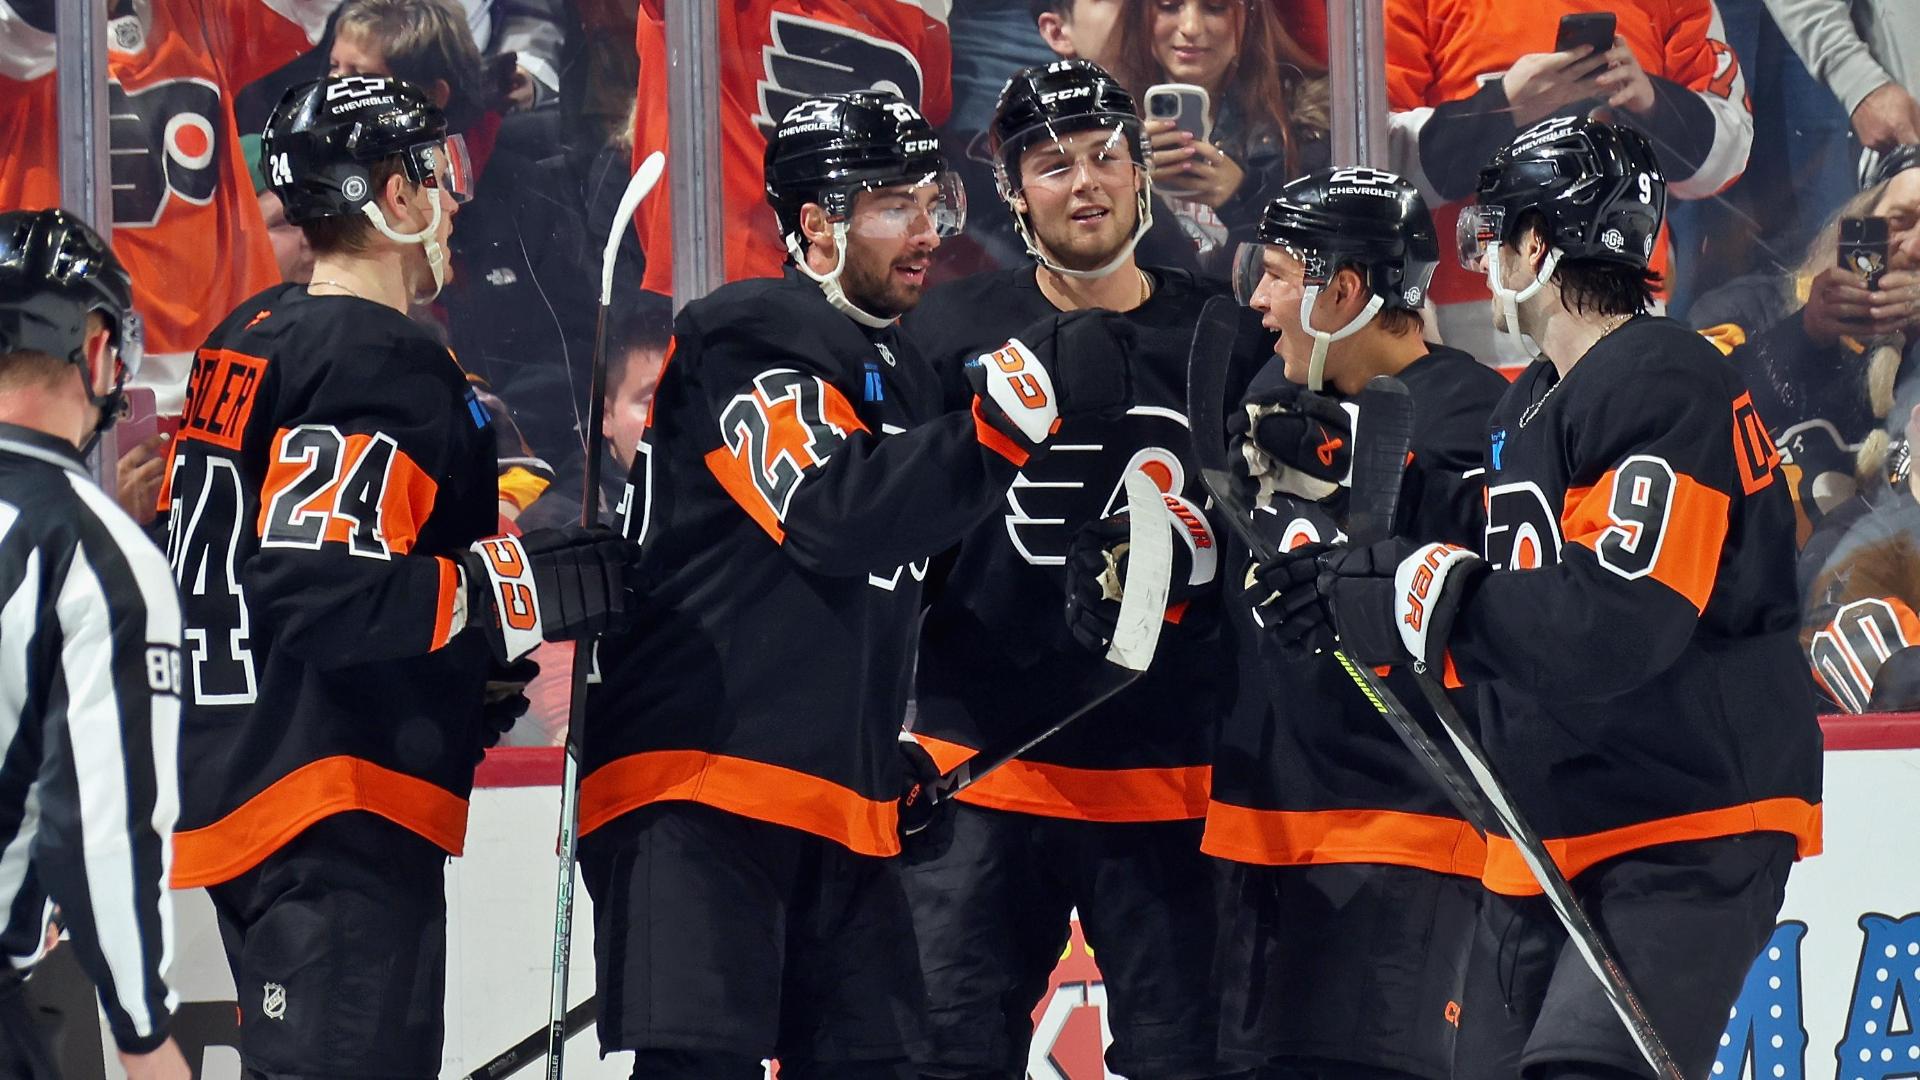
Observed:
{"x":1136,"y":637}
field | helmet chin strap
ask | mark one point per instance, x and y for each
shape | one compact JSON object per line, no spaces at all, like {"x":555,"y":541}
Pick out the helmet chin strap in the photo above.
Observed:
{"x":1317,"y":365}
{"x":1143,"y":220}
{"x":829,"y":282}
{"x":109,"y":404}
{"x":426,"y":238}
{"x":1511,"y":299}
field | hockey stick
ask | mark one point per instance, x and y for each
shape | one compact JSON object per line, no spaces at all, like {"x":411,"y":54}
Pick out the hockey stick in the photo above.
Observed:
{"x":643,"y":181}
{"x":534,"y":1046}
{"x":1380,"y":448}
{"x":1136,"y":635}
{"x":1206,"y":412}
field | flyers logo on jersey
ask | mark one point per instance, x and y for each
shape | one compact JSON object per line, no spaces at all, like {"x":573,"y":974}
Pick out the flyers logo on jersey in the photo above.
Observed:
{"x":809,"y":58}
{"x":166,"y":142}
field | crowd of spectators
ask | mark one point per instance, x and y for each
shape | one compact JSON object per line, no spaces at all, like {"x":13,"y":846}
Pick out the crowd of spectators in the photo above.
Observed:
{"x":1775,"y":120}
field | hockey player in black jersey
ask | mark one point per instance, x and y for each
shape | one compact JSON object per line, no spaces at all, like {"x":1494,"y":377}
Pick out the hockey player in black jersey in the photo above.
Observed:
{"x":354,"y":635}
{"x":1631,"y":622}
{"x":1105,"y":815}
{"x":90,"y":641}
{"x":1351,"y":881}
{"x":743,"y":758}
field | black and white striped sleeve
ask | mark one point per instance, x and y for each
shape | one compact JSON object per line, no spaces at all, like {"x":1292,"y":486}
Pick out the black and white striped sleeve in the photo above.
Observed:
{"x":109,"y":638}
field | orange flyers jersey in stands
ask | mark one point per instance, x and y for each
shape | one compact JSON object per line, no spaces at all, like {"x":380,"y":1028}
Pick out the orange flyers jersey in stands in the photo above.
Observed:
{"x":331,"y":463}
{"x":1445,"y":60}
{"x":185,"y":220}
{"x":776,"y":54}
{"x":1637,"y":636}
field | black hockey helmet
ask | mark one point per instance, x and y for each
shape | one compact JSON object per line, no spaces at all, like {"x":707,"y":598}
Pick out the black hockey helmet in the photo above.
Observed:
{"x":1050,"y":100}
{"x":54,"y":272}
{"x":1598,"y":187}
{"x":1365,"y":218}
{"x":828,"y":149}
{"x":325,"y":136}
{"x":1896,"y":161}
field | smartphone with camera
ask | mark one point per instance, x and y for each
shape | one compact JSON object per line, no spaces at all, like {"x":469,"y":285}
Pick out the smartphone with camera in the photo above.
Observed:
{"x":1594,"y":28}
{"x":1185,"y":104}
{"x":139,"y":418}
{"x":1863,"y":247}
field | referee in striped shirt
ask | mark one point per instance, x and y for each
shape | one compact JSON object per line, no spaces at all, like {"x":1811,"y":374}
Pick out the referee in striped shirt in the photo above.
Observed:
{"x":89,"y":659}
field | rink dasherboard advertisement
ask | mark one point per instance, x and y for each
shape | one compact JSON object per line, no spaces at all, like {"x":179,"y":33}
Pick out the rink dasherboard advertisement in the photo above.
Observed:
{"x":1832,"y":997}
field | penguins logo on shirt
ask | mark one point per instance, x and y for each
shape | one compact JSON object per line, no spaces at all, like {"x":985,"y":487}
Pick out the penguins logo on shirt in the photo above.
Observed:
{"x":809,"y":58}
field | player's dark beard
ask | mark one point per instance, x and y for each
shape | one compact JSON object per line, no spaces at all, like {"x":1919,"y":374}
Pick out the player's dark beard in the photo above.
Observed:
{"x":873,"y":288}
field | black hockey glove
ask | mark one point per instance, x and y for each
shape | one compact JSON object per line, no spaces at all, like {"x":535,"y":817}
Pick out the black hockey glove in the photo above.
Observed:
{"x":1284,"y":595}
{"x":504,"y":700}
{"x":1292,"y":440}
{"x":564,"y":584}
{"x":926,"y":826}
{"x":1097,"y":571}
{"x":1387,"y":603}
{"x":1064,"y":366}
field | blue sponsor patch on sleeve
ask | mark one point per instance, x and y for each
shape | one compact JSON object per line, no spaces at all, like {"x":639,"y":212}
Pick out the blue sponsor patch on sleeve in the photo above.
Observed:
{"x":478,"y":410}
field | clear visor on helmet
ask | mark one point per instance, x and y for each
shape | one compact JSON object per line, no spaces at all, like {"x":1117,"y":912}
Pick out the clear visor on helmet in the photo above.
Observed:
{"x":1254,"y":263}
{"x":935,"y":203}
{"x":131,"y":345}
{"x":1479,"y":228}
{"x":1101,"y":153}
{"x":443,"y":164}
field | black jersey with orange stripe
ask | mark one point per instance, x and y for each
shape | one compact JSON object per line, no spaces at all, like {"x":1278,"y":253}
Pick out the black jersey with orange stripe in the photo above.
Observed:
{"x":798,"y":474}
{"x":996,"y":657}
{"x":1637,"y":636}
{"x":331,"y":462}
{"x":1306,"y":771}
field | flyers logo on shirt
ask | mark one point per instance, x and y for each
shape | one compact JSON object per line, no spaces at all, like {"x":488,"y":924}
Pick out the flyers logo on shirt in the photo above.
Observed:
{"x":166,"y":143}
{"x":1080,"y":479}
{"x":808,"y":58}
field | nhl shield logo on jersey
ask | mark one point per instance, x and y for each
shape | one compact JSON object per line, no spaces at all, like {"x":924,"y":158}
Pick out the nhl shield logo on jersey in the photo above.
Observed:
{"x":273,"y":1001}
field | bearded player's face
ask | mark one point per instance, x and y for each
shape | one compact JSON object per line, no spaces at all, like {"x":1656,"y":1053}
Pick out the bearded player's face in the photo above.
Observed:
{"x":890,"y":242}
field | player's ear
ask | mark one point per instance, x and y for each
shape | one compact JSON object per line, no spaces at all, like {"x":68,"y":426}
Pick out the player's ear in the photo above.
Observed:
{"x":1054,"y":31}
{"x":815,"y":227}
{"x":396,"y":195}
{"x":102,"y":367}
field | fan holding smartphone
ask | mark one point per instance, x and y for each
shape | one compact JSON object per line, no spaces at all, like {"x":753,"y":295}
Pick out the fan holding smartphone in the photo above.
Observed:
{"x":1224,"y":92}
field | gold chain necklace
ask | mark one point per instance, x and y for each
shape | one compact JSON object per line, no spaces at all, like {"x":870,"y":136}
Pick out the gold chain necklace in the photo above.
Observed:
{"x":335,"y":284}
